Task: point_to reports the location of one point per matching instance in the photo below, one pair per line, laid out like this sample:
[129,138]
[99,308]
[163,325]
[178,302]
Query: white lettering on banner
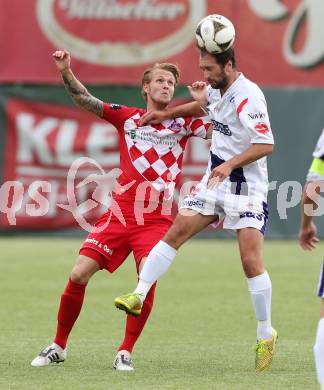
[33,142]
[308,11]
[31,137]
[313,51]
[101,137]
[64,142]
[122,53]
[113,9]
[269,9]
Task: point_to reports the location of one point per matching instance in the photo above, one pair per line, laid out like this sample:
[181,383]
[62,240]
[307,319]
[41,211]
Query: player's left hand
[219,174]
[308,237]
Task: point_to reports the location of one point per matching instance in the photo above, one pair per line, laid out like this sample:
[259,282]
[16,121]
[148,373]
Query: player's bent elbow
[270,148]
[267,149]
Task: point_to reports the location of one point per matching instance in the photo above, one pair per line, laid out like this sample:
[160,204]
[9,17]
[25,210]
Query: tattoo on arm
[81,96]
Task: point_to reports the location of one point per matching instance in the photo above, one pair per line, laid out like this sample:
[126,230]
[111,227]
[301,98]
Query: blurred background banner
[111,41]
[279,45]
[42,142]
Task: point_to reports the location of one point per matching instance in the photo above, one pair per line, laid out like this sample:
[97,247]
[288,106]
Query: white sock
[157,263]
[260,291]
[319,352]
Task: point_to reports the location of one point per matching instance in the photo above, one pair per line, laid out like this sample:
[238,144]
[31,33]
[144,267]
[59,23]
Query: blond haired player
[150,160]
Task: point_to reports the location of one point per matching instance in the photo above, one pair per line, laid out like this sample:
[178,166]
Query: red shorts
[117,241]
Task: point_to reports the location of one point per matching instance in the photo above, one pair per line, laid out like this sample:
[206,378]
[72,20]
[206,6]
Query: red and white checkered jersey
[151,153]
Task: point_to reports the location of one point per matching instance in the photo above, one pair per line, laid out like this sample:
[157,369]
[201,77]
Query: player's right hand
[308,237]
[62,60]
[152,117]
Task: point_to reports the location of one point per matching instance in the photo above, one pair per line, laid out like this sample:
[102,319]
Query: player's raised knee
[80,275]
[252,265]
[177,234]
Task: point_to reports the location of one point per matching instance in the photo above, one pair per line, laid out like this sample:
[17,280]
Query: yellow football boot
[264,352]
[130,303]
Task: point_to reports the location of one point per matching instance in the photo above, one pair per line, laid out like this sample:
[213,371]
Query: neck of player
[153,105]
[232,77]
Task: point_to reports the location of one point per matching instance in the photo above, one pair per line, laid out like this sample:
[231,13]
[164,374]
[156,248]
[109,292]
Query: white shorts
[320,288]
[234,211]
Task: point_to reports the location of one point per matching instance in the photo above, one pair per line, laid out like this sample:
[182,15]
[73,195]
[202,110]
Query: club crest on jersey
[261,128]
[175,126]
[218,126]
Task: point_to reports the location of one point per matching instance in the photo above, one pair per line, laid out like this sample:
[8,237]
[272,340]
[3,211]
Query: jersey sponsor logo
[249,214]
[114,106]
[152,137]
[58,18]
[259,115]
[191,203]
[262,128]
[218,126]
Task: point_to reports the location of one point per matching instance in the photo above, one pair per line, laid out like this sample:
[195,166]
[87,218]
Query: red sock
[135,325]
[70,307]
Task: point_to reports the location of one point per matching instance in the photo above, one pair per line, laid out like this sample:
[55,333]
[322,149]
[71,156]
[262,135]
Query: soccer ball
[215,33]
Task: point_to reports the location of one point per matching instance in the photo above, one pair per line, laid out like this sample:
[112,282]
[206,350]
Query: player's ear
[228,66]
[146,88]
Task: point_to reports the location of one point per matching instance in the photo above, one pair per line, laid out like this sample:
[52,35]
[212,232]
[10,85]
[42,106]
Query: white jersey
[319,149]
[239,118]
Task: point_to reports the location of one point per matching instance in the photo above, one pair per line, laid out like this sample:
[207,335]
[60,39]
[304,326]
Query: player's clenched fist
[62,60]
[198,92]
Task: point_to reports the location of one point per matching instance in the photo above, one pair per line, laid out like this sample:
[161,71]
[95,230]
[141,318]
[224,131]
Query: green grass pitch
[200,335]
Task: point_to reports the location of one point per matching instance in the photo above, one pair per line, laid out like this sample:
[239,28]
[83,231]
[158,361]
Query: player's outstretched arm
[188,109]
[308,231]
[75,88]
